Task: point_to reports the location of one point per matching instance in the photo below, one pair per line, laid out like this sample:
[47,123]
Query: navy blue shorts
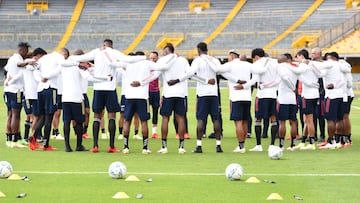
[73,111]
[154,99]
[347,105]
[30,105]
[47,102]
[105,98]
[59,101]
[13,100]
[334,109]
[286,112]
[139,106]
[309,105]
[240,110]
[264,108]
[122,104]
[207,105]
[176,104]
[86,101]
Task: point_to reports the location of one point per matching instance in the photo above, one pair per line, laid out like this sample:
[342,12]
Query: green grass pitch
[316,176]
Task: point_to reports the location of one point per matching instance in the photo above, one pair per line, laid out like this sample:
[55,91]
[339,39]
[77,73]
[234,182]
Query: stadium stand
[256,24]
[45,29]
[118,20]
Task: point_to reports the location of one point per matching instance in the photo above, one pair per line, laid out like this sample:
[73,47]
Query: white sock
[198,142]
[154,130]
[218,142]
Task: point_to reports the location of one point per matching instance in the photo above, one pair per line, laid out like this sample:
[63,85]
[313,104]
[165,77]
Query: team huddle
[42,83]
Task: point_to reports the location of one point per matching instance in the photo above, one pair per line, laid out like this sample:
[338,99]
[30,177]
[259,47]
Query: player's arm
[26,62]
[215,64]
[13,79]
[153,75]
[90,56]
[164,63]
[308,82]
[86,75]
[127,59]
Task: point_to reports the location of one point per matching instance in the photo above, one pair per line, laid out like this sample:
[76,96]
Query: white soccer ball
[117,170]
[5,169]
[275,152]
[234,171]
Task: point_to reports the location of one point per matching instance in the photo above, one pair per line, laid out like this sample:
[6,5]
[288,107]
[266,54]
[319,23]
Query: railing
[333,35]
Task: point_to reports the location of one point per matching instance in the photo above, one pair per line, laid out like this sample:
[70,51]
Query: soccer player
[121,74]
[287,108]
[310,96]
[13,94]
[346,141]
[73,100]
[332,73]
[240,95]
[205,66]
[265,106]
[316,55]
[47,75]
[56,119]
[154,97]
[173,98]
[137,94]
[105,92]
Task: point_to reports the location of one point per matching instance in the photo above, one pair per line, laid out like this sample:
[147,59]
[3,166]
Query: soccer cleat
[204,135]
[68,149]
[33,145]
[146,151]
[257,148]
[177,136]
[121,137]
[218,149]
[58,137]
[104,136]
[322,144]
[198,149]
[181,151]
[126,151]
[94,150]
[81,149]
[291,148]
[327,146]
[248,135]
[238,150]
[85,136]
[113,150]
[186,136]
[163,151]
[348,144]
[137,137]
[49,148]
[308,147]
[155,136]
[300,145]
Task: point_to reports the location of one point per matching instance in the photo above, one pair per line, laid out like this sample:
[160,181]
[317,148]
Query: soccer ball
[5,169]
[117,170]
[234,171]
[275,152]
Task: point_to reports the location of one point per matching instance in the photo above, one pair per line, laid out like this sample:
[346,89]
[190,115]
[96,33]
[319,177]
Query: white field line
[186,174]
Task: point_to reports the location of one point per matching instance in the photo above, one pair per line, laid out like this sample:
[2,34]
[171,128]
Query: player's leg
[67,117]
[111,99]
[259,114]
